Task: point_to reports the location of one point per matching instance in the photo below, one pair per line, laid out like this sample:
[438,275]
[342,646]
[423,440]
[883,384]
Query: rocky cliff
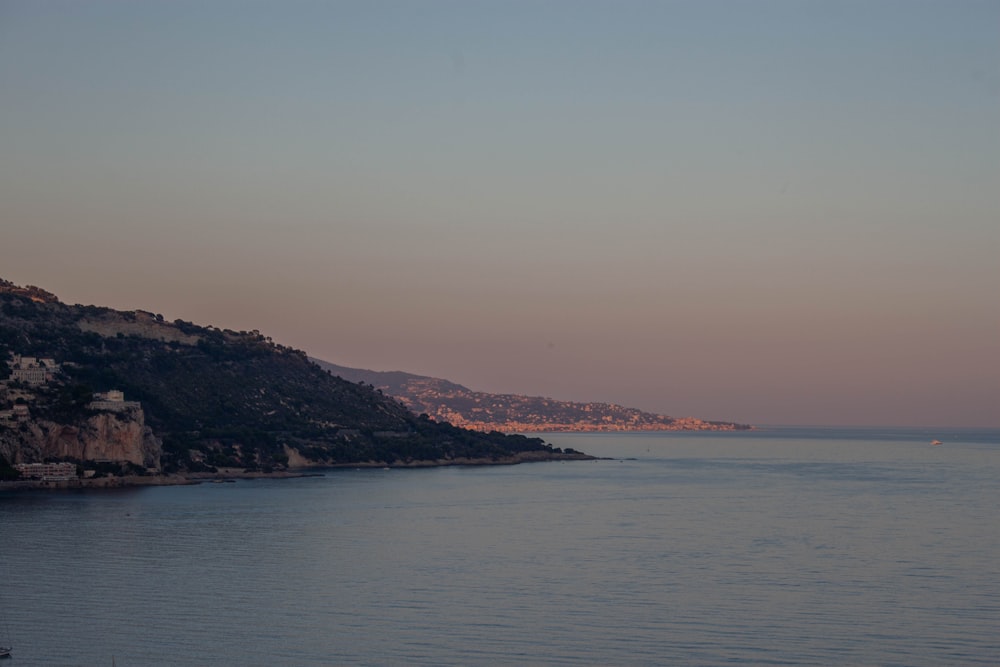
[114,437]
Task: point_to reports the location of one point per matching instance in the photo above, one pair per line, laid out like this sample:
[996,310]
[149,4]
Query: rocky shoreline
[232,474]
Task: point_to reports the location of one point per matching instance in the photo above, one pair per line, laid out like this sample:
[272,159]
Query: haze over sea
[796,546]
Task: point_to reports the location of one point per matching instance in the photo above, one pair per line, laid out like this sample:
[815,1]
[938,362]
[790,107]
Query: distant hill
[214,398]
[446,401]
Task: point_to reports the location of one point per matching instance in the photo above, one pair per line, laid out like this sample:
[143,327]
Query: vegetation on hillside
[225,398]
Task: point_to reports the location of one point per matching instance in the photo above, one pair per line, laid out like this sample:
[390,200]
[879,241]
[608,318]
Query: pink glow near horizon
[731,217]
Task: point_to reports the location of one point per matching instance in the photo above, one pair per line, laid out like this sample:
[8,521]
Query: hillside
[212,398]
[447,401]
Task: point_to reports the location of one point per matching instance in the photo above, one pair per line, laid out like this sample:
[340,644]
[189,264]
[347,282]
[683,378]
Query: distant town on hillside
[446,401]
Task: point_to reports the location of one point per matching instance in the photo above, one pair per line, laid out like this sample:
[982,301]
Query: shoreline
[233,474]
[521,457]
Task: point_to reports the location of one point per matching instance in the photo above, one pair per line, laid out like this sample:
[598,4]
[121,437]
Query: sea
[779,546]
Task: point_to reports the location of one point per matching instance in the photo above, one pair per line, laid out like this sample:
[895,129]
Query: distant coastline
[446,401]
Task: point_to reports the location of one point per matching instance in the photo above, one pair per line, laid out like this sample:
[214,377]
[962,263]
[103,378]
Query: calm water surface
[778,547]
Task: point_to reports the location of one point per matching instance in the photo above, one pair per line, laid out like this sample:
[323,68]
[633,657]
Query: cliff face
[115,437]
[140,323]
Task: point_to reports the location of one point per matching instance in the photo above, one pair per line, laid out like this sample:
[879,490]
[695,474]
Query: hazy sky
[771,212]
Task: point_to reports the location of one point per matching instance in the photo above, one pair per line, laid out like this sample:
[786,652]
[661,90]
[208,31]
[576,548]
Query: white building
[113,400]
[49,472]
[31,370]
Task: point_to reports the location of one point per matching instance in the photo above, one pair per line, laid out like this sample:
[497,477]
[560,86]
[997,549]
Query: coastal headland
[93,397]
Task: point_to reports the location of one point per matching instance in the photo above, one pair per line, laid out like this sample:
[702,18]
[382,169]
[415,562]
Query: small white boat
[5,651]
[936,442]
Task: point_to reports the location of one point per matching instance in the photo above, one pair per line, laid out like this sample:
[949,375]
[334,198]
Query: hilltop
[514,413]
[200,399]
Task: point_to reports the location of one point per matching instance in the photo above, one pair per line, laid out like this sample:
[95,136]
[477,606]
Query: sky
[772,212]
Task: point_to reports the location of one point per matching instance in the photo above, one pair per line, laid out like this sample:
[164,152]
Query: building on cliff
[112,401]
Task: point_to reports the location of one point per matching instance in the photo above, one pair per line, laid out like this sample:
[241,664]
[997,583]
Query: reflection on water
[792,547]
